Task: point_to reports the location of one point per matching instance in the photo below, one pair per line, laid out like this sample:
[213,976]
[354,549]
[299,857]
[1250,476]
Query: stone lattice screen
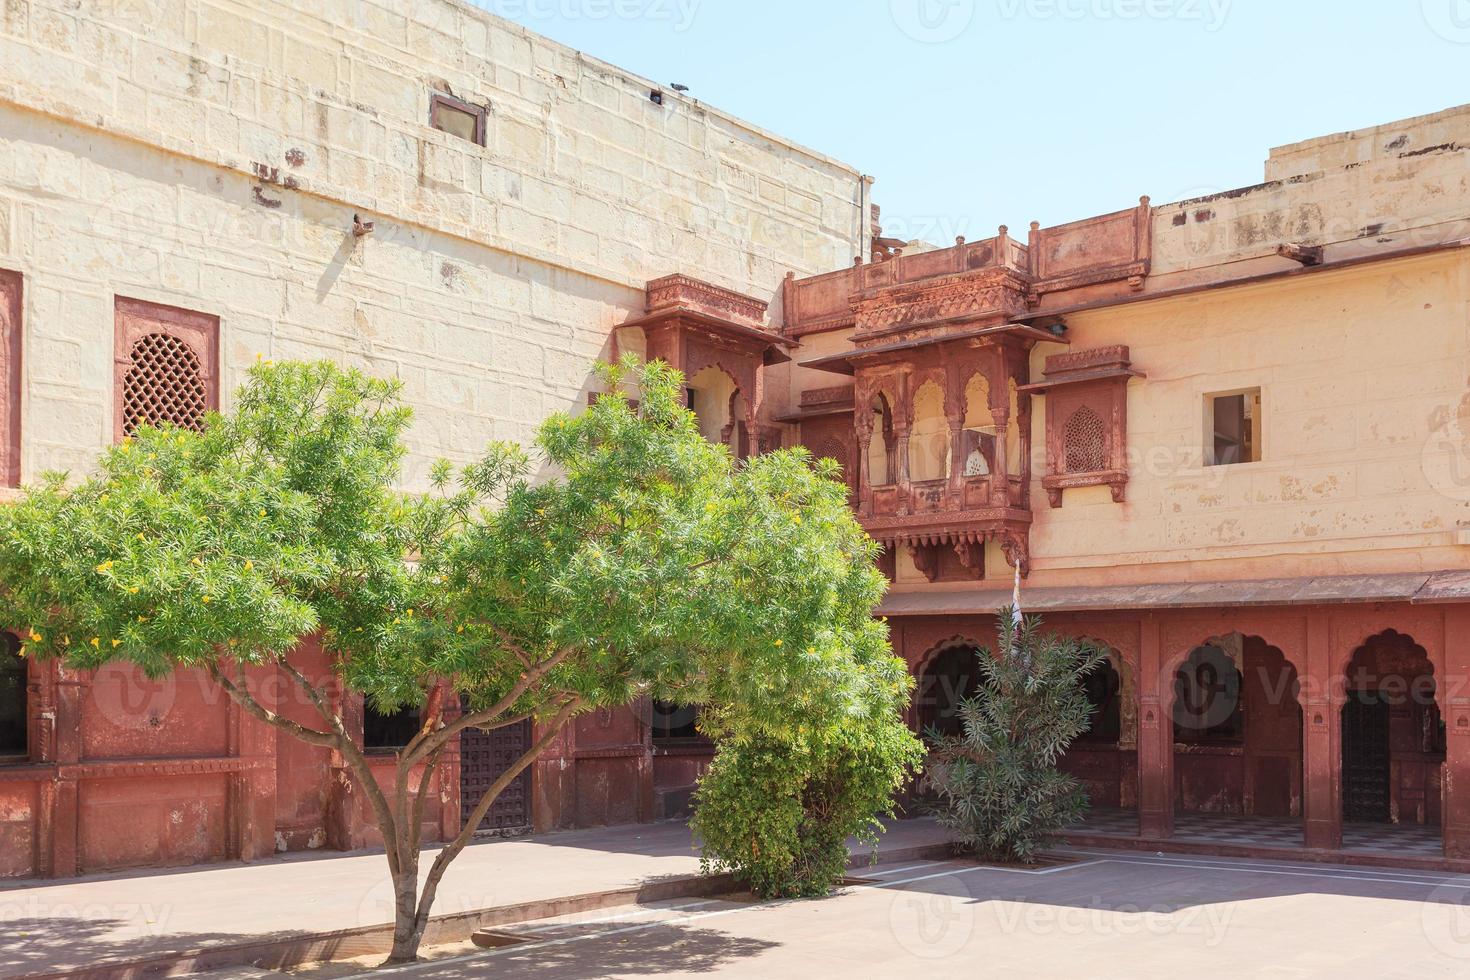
[167,366]
[165,384]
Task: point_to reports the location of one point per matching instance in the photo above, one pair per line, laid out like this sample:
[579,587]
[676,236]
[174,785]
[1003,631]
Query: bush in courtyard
[779,812]
[998,786]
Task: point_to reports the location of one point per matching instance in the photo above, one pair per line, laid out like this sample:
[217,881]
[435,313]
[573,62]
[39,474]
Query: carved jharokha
[941,414]
[694,325]
[1086,420]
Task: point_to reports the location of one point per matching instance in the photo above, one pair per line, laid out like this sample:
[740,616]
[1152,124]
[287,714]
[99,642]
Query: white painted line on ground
[1269,863]
[1296,871]
[629,915]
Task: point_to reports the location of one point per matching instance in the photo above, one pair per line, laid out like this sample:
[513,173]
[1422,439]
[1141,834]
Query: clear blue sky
[973,113]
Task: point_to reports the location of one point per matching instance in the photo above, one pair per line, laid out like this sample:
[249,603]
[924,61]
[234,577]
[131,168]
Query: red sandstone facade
[974,395]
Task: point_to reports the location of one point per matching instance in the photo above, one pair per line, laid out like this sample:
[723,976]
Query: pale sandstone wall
[211,155]
[1365,468]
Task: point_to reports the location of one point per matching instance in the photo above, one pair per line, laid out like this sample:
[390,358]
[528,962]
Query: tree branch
[357,762]
[242,696]
[452,849]
[476,719]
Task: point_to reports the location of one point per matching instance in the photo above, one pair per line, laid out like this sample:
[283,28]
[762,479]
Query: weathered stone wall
[212,156]
[1362,374]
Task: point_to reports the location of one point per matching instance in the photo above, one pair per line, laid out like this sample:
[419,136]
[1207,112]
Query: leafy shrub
[998,786]
[778,812]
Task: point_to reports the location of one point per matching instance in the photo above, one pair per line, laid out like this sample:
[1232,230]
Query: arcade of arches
[1311,729]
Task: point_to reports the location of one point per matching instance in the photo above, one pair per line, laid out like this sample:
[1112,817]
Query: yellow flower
[66,641]
[249,565]
[195,561]
[262,512]
[95,641]
[460,630]
[796,518]
[104,567]
[410,613]
[103,498]
[126,446]
[142,619]
[21,653]
[778,643]
[133,590]
[35,637]
[233,641]
[116,644]
[141,536]
[206,599]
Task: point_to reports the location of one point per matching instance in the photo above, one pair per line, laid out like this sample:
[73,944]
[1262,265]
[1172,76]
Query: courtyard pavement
[52,926]
[1107,914]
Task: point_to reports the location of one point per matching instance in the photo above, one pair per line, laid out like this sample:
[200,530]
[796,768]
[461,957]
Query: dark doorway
[1365,770]
[953,675]
[483,757]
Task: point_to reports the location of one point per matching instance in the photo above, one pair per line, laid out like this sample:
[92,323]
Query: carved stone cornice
[679,290]
[996,293]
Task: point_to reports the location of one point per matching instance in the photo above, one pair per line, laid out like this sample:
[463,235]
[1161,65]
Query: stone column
[1454,702]
[862,417]
[1321,740]
[253,788]
[72,687]
[1155,737]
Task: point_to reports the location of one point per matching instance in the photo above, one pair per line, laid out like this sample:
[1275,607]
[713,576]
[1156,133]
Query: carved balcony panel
[1086,420]
[694,325]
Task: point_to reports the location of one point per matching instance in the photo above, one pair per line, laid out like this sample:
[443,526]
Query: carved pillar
[862,417]
[903,420]
[1023,420]
[954,410]
[1155,737]
[1321,740]
[1455,705]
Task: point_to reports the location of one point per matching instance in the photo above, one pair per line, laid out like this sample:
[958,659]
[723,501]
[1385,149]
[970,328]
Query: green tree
[999,789]
[639,560]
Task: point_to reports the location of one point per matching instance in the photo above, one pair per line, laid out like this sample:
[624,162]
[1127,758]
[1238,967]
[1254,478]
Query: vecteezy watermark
[1444,917]
[679,14]
[1450,19]
[932,21]
[21,914]
[1445,458]
[934,923]
[1211,14]
[1103,917]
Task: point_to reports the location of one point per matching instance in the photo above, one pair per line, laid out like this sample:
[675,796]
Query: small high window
[13,739]
[457,117]
[1233,421]
[674,722]
[388,732]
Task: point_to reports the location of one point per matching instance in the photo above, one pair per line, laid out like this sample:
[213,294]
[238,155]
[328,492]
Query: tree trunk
[407,935]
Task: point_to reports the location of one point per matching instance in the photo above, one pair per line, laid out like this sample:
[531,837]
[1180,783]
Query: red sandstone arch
[1390,685]
[921,713]
[1261,773]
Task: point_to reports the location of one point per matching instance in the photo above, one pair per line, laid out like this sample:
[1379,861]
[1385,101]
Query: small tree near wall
[999,789]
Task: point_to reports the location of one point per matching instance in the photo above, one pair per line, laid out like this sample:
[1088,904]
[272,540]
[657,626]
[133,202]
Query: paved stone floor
[1223,828]
[68,924]
[1108,914]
